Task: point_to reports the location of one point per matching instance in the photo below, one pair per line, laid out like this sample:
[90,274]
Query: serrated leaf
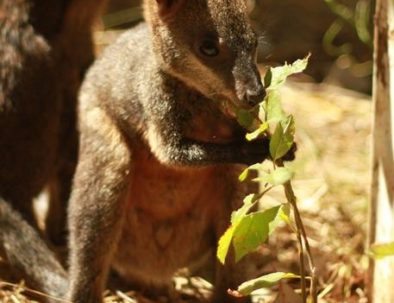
[266,281]
[278,75]
[224,244]
[253,229]
[273,108]
[258,132]
[277,177]
[379,251]
[283,138]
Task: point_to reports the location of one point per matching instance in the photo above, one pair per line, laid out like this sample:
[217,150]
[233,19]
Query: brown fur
[45,47]
[160,149]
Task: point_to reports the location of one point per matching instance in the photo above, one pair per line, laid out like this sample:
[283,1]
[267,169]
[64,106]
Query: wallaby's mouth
[232,101]
[248,96]
[230,106]
[246,103]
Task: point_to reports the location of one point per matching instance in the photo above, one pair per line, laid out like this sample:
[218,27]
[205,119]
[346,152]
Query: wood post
[381,227]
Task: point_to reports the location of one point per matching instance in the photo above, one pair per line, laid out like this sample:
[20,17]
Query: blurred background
[338,33]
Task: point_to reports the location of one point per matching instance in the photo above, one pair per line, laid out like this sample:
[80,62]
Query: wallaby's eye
[209,48]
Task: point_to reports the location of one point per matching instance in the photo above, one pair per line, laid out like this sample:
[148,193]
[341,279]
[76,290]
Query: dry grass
[14,293]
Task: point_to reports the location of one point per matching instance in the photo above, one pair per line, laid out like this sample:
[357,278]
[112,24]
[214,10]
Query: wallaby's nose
[256,95]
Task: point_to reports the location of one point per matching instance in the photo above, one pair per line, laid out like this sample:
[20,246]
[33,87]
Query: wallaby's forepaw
[255,151]
[258,150]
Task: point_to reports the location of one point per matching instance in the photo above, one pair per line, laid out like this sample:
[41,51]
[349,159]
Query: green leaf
[285,214]
[224,244]
[277,76]
[239,214]
[379,251]
[268,78]
[236,218]
[258,132]
[283,138]
[253,229]
[245,174]
[266,281]
[277,177]
[248,231]
[273,108]
[262,110]
[245,118]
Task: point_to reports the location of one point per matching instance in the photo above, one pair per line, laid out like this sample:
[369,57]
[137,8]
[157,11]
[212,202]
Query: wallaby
[45,47]
[160,149]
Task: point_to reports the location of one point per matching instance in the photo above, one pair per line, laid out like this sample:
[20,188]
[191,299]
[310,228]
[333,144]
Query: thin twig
[291,199]
[303,241]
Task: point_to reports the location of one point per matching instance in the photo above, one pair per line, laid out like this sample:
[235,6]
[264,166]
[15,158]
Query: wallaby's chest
[166,192]
[173,214]
[170,219]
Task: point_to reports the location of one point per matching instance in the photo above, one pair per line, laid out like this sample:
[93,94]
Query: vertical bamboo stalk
[381,227]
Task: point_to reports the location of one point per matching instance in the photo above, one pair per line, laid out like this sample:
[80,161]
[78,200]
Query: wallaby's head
[208,44]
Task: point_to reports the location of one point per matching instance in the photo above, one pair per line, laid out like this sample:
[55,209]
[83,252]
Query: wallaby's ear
[167,8]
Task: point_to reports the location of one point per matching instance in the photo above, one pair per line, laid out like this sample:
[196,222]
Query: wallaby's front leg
[97,205]
[166,130]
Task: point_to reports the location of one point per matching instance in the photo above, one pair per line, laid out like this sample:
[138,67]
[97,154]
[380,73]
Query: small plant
[249,229]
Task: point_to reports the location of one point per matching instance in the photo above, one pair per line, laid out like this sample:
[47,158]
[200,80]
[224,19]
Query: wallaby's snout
[249,88]
[256,95]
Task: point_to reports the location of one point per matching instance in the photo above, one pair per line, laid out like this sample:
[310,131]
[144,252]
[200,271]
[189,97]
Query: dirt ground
[332,184]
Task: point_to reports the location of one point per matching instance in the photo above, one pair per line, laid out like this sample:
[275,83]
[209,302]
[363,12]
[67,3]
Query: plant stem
[303,241]
[302,265]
